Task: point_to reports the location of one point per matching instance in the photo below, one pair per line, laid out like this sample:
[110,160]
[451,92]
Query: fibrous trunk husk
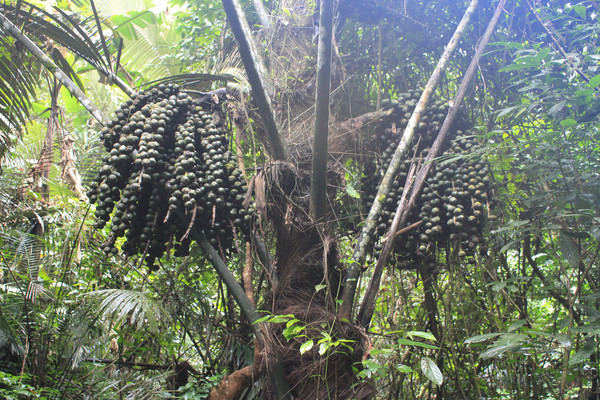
[309,275]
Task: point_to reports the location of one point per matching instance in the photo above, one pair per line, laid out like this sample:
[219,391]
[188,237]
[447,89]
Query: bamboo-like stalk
[368,305]
[318,184]
[255,71]
[53,69]
[359,254]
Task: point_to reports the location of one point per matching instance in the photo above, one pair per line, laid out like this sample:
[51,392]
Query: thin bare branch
[359,254]
[368,305]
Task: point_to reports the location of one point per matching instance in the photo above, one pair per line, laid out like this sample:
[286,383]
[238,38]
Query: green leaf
[595,81]
[352,192]
[543,54]
[565,123]
[498,286]
[563,339]
[423,335]
[576,235]
[408,342]
[278,319]
[323,347]
[431,371]
[292,322]
[481,338]
[405,369]
[555,109]
[569,250]
[584,353]
[320,287]
[515,67]
[292,331]
[584,92]
[306,346]
[496,351]
[580,10]
[516,325]
[262,319]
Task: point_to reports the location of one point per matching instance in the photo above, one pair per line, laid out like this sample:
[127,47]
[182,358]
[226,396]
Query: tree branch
[358,257]
[261,12]
[53,68]
[557,44]
[255,71]
[318,184]
[232,386]
[368,305]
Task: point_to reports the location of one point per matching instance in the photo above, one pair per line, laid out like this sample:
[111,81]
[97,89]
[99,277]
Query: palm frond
[72,31]
[17,78]
[196,81]
[8,337]
[146,53]
[68,31]
[132,385]
[35,290]
[79,334]
[136,308]
[22,251]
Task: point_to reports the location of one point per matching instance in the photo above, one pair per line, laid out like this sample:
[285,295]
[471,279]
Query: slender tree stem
[358,257]
[53,69]
[276,372]
[255,71]
[261,12]
[247,274]
[318,185]
[368,305]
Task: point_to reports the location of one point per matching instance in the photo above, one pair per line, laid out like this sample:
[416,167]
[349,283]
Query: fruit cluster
[169,170]
[452,205]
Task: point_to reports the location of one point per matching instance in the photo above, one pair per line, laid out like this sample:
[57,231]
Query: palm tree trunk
[318,185]
[255,71]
